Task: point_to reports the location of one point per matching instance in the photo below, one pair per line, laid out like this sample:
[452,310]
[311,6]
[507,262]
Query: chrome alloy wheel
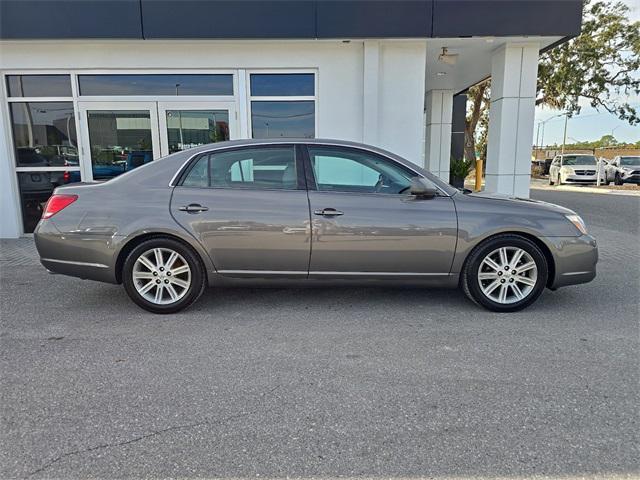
[161,276]
[507,275]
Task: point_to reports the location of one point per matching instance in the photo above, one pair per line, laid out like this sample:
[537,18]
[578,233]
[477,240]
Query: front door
[117,137]
[365,224]
[123,135]
[248,208]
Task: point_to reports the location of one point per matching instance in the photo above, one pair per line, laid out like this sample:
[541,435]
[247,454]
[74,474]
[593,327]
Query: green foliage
[460,168]
[601,65]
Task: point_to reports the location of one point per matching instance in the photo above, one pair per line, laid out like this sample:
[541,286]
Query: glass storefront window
[44,134]
[282,85]
[39,85]
[35,189]
[119,141]
[289,119]
[191,128]
[151,84]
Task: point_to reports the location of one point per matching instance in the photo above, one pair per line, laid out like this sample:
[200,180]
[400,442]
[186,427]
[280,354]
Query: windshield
[579,160]
[629,160]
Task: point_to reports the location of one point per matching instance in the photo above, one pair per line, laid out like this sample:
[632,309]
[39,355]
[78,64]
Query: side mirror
[422,188]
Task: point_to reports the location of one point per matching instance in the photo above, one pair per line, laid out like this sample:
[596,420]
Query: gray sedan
[313,212]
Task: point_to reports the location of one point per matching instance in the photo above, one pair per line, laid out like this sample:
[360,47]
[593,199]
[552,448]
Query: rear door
[366,224]
[248,207]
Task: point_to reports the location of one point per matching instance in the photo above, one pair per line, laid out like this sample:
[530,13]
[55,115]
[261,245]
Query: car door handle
[193,208]
[328,212]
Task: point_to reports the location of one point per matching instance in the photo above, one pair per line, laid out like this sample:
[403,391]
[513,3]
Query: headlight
[578,223]
[567,169]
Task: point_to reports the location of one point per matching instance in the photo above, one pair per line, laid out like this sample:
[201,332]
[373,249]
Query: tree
[601,65]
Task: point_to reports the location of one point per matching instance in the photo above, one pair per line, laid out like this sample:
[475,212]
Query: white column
[439,110]
[371,92]
[514,70]
[10,222]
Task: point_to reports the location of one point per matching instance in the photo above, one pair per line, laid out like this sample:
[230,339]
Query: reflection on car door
[364,222]
[249,210]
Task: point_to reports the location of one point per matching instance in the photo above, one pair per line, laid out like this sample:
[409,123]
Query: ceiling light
[448,58]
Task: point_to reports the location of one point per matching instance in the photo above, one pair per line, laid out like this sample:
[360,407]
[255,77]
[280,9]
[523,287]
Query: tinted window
[344,170]
[283,119]
[44,134]
[198,176]
[280,85]
[39,85]
[579,160]
[260,168]
[156,84]
[629,160]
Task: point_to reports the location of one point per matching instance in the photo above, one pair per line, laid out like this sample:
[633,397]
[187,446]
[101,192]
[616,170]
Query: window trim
[183,172]
[292,98]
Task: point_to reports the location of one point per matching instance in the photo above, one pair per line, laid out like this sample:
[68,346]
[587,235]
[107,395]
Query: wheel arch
[136,240]
[544,248]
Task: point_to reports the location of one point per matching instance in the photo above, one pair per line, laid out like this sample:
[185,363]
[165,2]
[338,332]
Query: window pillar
[439,109]
[514,71]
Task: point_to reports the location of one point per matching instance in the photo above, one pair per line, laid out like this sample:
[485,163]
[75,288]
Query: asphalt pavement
[326,382]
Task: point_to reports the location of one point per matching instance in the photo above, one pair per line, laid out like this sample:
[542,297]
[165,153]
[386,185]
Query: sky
[590,124]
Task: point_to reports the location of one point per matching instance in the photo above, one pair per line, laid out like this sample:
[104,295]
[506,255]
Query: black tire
[618,180]
[198,275]
[469,277]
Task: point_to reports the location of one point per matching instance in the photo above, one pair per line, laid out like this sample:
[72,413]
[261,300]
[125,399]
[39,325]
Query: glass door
[185,125]
[117,137]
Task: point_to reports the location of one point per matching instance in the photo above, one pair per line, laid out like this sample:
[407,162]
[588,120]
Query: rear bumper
[82,255]
[575,259]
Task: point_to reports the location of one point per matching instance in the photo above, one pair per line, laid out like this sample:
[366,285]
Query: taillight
[66,176]
[56,203]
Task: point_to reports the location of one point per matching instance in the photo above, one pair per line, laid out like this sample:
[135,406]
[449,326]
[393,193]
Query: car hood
[524,202]
[582,167]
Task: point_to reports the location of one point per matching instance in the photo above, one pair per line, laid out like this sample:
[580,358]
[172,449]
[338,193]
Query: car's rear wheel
[505,273]
[163,275]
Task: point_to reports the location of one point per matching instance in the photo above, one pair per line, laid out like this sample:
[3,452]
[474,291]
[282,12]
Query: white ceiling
[474,59]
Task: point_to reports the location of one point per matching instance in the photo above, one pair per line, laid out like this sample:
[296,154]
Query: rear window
[579,160]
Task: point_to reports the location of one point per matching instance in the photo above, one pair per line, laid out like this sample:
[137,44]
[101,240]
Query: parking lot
[326,382]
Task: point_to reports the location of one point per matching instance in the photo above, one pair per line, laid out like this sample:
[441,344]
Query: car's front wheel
[163,275]
[505,273]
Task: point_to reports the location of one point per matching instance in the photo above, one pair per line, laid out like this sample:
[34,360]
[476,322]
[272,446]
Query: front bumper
[575,259]
[634,178]
[581,179]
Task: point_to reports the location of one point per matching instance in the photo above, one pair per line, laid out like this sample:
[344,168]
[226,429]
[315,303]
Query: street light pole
[564,138]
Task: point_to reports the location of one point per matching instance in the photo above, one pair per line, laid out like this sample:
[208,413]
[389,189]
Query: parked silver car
[623,169]
[306,212]
[573,168]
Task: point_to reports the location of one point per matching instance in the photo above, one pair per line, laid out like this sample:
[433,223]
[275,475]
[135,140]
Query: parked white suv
[573,168]
[623,169]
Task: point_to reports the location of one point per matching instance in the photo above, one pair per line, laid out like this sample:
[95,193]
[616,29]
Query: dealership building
[93,88]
